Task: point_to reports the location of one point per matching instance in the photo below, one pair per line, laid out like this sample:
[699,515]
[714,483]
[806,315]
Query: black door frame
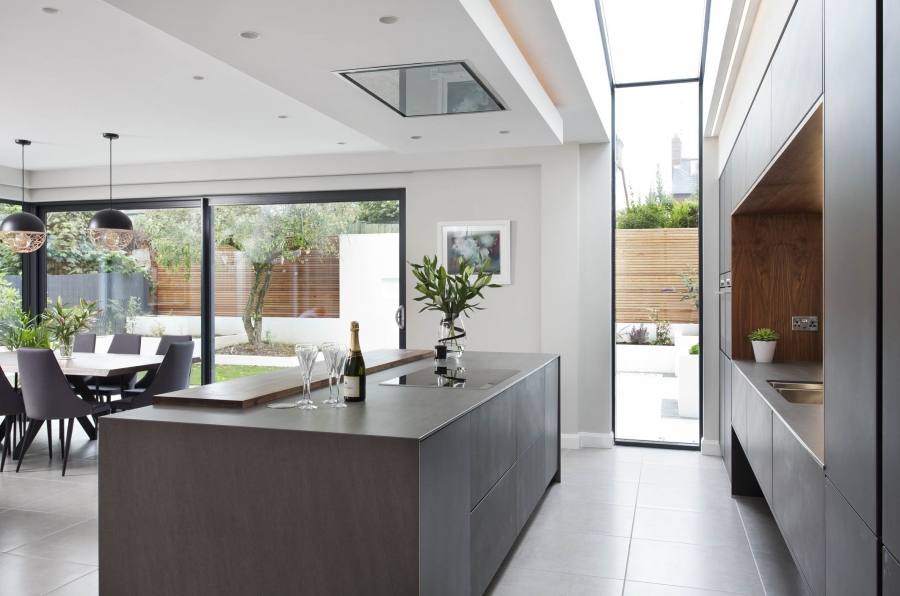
[613,86]
[34,269]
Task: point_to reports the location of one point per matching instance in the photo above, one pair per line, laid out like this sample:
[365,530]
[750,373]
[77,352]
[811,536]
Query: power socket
[805,323]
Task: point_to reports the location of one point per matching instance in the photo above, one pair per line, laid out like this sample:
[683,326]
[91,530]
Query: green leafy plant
[763,334]
[695,350]
[450,294]
[21,330]
[64,322]
[663,329]
[121,315]
[690,281]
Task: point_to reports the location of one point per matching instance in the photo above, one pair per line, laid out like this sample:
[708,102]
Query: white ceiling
[127,65]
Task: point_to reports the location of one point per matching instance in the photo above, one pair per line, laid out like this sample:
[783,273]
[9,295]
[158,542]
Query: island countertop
[389,411]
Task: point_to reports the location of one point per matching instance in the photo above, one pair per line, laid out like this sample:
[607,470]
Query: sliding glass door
[299,269]
[657,301]
[10,273]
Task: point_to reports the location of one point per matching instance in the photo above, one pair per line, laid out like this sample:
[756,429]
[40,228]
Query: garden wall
[649,264]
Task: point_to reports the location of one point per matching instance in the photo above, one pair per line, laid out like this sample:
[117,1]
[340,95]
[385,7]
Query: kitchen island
[417,490]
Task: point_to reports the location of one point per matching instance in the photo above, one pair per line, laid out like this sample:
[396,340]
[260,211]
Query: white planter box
[648,359]
[689,386]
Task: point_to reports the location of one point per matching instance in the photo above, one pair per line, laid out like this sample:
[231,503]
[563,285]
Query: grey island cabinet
[416,491]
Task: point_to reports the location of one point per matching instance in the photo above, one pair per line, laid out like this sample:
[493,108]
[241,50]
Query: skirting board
[710,447]
[579,440]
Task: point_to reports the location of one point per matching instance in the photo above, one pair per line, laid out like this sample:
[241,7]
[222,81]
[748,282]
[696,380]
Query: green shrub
[763,334]
[695,350]
[659,214]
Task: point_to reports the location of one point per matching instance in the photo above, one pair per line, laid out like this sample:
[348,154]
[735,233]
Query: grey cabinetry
[758,132]
[851,550]
[493,441]
[531,480]
[796,70]
[851,255]
[724,223]
[740,392]
[725,409]
[738,163]
[798,502]
[494,528]
[890,521]
[891,574]
[759,441]
[551,422]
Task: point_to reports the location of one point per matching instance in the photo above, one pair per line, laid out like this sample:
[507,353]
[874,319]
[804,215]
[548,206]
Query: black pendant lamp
[23,232]
[111,229]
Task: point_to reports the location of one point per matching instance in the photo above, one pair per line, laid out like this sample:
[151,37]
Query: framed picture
[478,242]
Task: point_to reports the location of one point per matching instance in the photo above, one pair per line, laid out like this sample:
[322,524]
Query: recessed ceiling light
[388,20]
[50,10]
[249,34]
[282,116]
[504,132]
[416,137]
[198,77]
[341,143]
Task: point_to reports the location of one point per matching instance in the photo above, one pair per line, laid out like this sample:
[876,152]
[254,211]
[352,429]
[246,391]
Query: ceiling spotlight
[250,35]
[388,20]
[341,143]
[282,116]
[416,137]
[198,77]
[504,132]
[50,10]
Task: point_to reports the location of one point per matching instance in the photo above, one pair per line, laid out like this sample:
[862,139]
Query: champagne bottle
[355,369]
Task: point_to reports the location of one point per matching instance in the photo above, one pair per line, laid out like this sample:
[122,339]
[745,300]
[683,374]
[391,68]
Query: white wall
[544,191]
[512,319]
[710,379]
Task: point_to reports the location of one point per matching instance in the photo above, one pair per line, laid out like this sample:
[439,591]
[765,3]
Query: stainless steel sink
[800,393]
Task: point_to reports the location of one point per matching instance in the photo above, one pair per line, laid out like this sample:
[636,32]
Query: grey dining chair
[85,342]
[164,342]
[173,374]
[48,396]
[122,343]
[12,410]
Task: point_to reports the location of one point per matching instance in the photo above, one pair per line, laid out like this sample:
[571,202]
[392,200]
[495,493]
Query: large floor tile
[24,576]
[713,527]
[685,497]
[86,585]
[517,581]
[725,568]
[18,527]
[579,553]
[597,518]
[671,475]
[611,493]
[77,499]
[17,491]
[75,544]
[591,468]
[644,589]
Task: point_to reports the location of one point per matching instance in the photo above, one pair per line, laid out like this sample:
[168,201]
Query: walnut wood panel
[777,273]
[247,392]
[312,285]
[794,182]
[649,264]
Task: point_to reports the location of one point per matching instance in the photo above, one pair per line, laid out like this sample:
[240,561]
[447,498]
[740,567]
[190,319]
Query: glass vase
[65,348]
[452,334]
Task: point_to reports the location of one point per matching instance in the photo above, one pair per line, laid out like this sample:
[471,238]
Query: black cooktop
[452,378]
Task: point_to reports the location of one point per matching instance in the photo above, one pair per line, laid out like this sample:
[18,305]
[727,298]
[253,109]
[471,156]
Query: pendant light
[23,232]
[110,228]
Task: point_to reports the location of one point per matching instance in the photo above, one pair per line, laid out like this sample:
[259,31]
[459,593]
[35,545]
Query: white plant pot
[688,386]
[764,351]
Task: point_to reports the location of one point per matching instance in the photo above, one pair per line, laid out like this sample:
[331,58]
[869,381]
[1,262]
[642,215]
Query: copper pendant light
[111,229]
[23,232]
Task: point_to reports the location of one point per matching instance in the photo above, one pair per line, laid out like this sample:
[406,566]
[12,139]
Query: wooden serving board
[247,392]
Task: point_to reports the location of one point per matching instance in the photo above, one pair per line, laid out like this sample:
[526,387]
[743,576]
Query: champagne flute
[306,354]
[329,350]
[340,359]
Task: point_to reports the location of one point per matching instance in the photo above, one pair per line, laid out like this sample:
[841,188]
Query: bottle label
[351,387]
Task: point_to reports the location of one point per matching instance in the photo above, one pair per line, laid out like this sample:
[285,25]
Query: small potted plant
[452,295]
[764,341]
[65,322]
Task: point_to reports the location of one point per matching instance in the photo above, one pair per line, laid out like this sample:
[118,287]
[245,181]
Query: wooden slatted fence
[312,285]
[649,264]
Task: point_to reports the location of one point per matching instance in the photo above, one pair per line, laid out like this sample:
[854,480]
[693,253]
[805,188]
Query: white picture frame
[490,238]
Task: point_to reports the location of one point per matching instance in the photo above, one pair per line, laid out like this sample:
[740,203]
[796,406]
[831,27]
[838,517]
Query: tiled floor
[646,522]
[624,521]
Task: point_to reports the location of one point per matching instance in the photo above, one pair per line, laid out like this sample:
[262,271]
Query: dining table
[90,364]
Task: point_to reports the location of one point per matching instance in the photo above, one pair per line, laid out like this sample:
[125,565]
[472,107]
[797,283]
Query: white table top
[84,364]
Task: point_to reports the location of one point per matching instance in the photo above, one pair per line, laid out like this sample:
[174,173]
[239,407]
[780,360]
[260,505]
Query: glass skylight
[654,40]
[426,89]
